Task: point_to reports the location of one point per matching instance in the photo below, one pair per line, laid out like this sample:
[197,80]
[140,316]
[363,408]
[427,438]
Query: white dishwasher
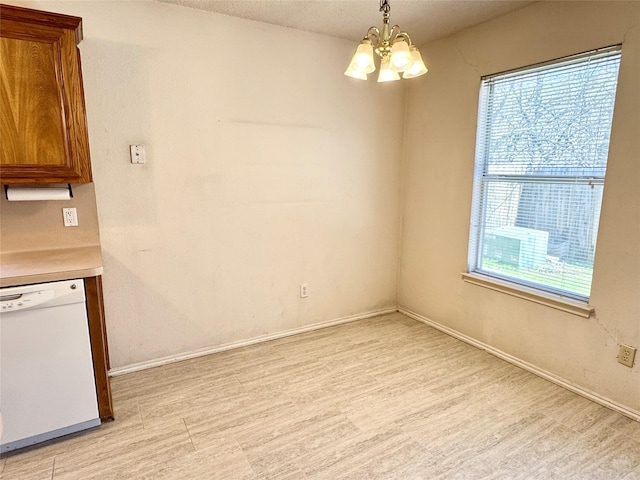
[47,386]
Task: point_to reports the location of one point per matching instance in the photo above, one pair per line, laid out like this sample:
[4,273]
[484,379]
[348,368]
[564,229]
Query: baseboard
[628,412]
[243,343]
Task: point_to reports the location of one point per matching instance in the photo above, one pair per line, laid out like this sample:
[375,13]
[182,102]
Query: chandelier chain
[384,6]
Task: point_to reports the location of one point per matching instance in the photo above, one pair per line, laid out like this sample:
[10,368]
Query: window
[541,158]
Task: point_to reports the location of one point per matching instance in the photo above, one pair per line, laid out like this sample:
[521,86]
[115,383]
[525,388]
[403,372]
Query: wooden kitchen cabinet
[42,112]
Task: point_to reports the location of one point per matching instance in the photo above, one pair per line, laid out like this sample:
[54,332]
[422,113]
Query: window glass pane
[542,233]
[556,122]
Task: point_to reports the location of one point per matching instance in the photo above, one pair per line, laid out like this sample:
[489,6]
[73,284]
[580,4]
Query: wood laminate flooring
[386,397]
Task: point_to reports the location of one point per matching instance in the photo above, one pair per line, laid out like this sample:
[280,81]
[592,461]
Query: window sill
[574,307]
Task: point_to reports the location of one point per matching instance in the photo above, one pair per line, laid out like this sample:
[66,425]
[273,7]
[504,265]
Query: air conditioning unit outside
[524,248]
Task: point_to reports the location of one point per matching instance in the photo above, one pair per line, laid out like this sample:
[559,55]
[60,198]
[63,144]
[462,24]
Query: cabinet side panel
[99,349]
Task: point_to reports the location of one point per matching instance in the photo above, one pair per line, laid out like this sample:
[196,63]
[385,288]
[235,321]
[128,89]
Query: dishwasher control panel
[41,295]
[21,301]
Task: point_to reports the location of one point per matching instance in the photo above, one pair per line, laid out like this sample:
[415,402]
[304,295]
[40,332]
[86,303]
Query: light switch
[137,153]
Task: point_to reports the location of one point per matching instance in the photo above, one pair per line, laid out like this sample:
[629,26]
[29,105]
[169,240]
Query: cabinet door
[42,114]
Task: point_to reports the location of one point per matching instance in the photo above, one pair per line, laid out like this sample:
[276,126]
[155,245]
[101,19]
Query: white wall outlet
[70,217]
[137,153]
[304,290]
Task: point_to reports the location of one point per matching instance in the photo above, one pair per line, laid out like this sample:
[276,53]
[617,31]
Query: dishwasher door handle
[22,301]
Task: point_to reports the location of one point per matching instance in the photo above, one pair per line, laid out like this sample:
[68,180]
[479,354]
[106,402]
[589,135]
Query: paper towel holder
[6,190]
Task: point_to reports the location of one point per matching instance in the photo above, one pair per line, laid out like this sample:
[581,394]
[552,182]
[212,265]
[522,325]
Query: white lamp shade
[386,74]
[418,68]
[401,58]
[350,72]
[362,60]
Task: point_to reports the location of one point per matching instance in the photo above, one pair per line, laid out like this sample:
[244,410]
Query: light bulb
[401,58]
[386,74]
[362,60]
[418,68]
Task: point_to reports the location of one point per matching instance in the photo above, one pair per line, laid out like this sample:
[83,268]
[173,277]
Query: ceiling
[424,20]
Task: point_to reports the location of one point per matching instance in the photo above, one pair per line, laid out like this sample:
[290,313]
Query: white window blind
[541,158]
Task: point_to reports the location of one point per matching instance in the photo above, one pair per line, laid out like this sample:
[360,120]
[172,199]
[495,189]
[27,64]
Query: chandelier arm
[373,34]
[404,35]
[394,32]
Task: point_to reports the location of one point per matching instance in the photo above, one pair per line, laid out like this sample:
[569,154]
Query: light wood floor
[386,398]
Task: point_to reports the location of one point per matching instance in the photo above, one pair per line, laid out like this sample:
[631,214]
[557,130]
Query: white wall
[438,179]
[266,168]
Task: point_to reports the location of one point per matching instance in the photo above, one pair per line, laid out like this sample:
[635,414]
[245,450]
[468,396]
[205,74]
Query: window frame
[557,298]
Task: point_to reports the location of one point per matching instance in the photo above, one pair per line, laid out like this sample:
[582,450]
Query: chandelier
[395,49]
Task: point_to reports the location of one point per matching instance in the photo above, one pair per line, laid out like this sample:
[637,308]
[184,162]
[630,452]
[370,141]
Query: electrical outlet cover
[626,355]
[70,217]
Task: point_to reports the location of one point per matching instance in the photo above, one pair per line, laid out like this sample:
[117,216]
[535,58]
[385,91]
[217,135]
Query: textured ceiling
[424,20]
